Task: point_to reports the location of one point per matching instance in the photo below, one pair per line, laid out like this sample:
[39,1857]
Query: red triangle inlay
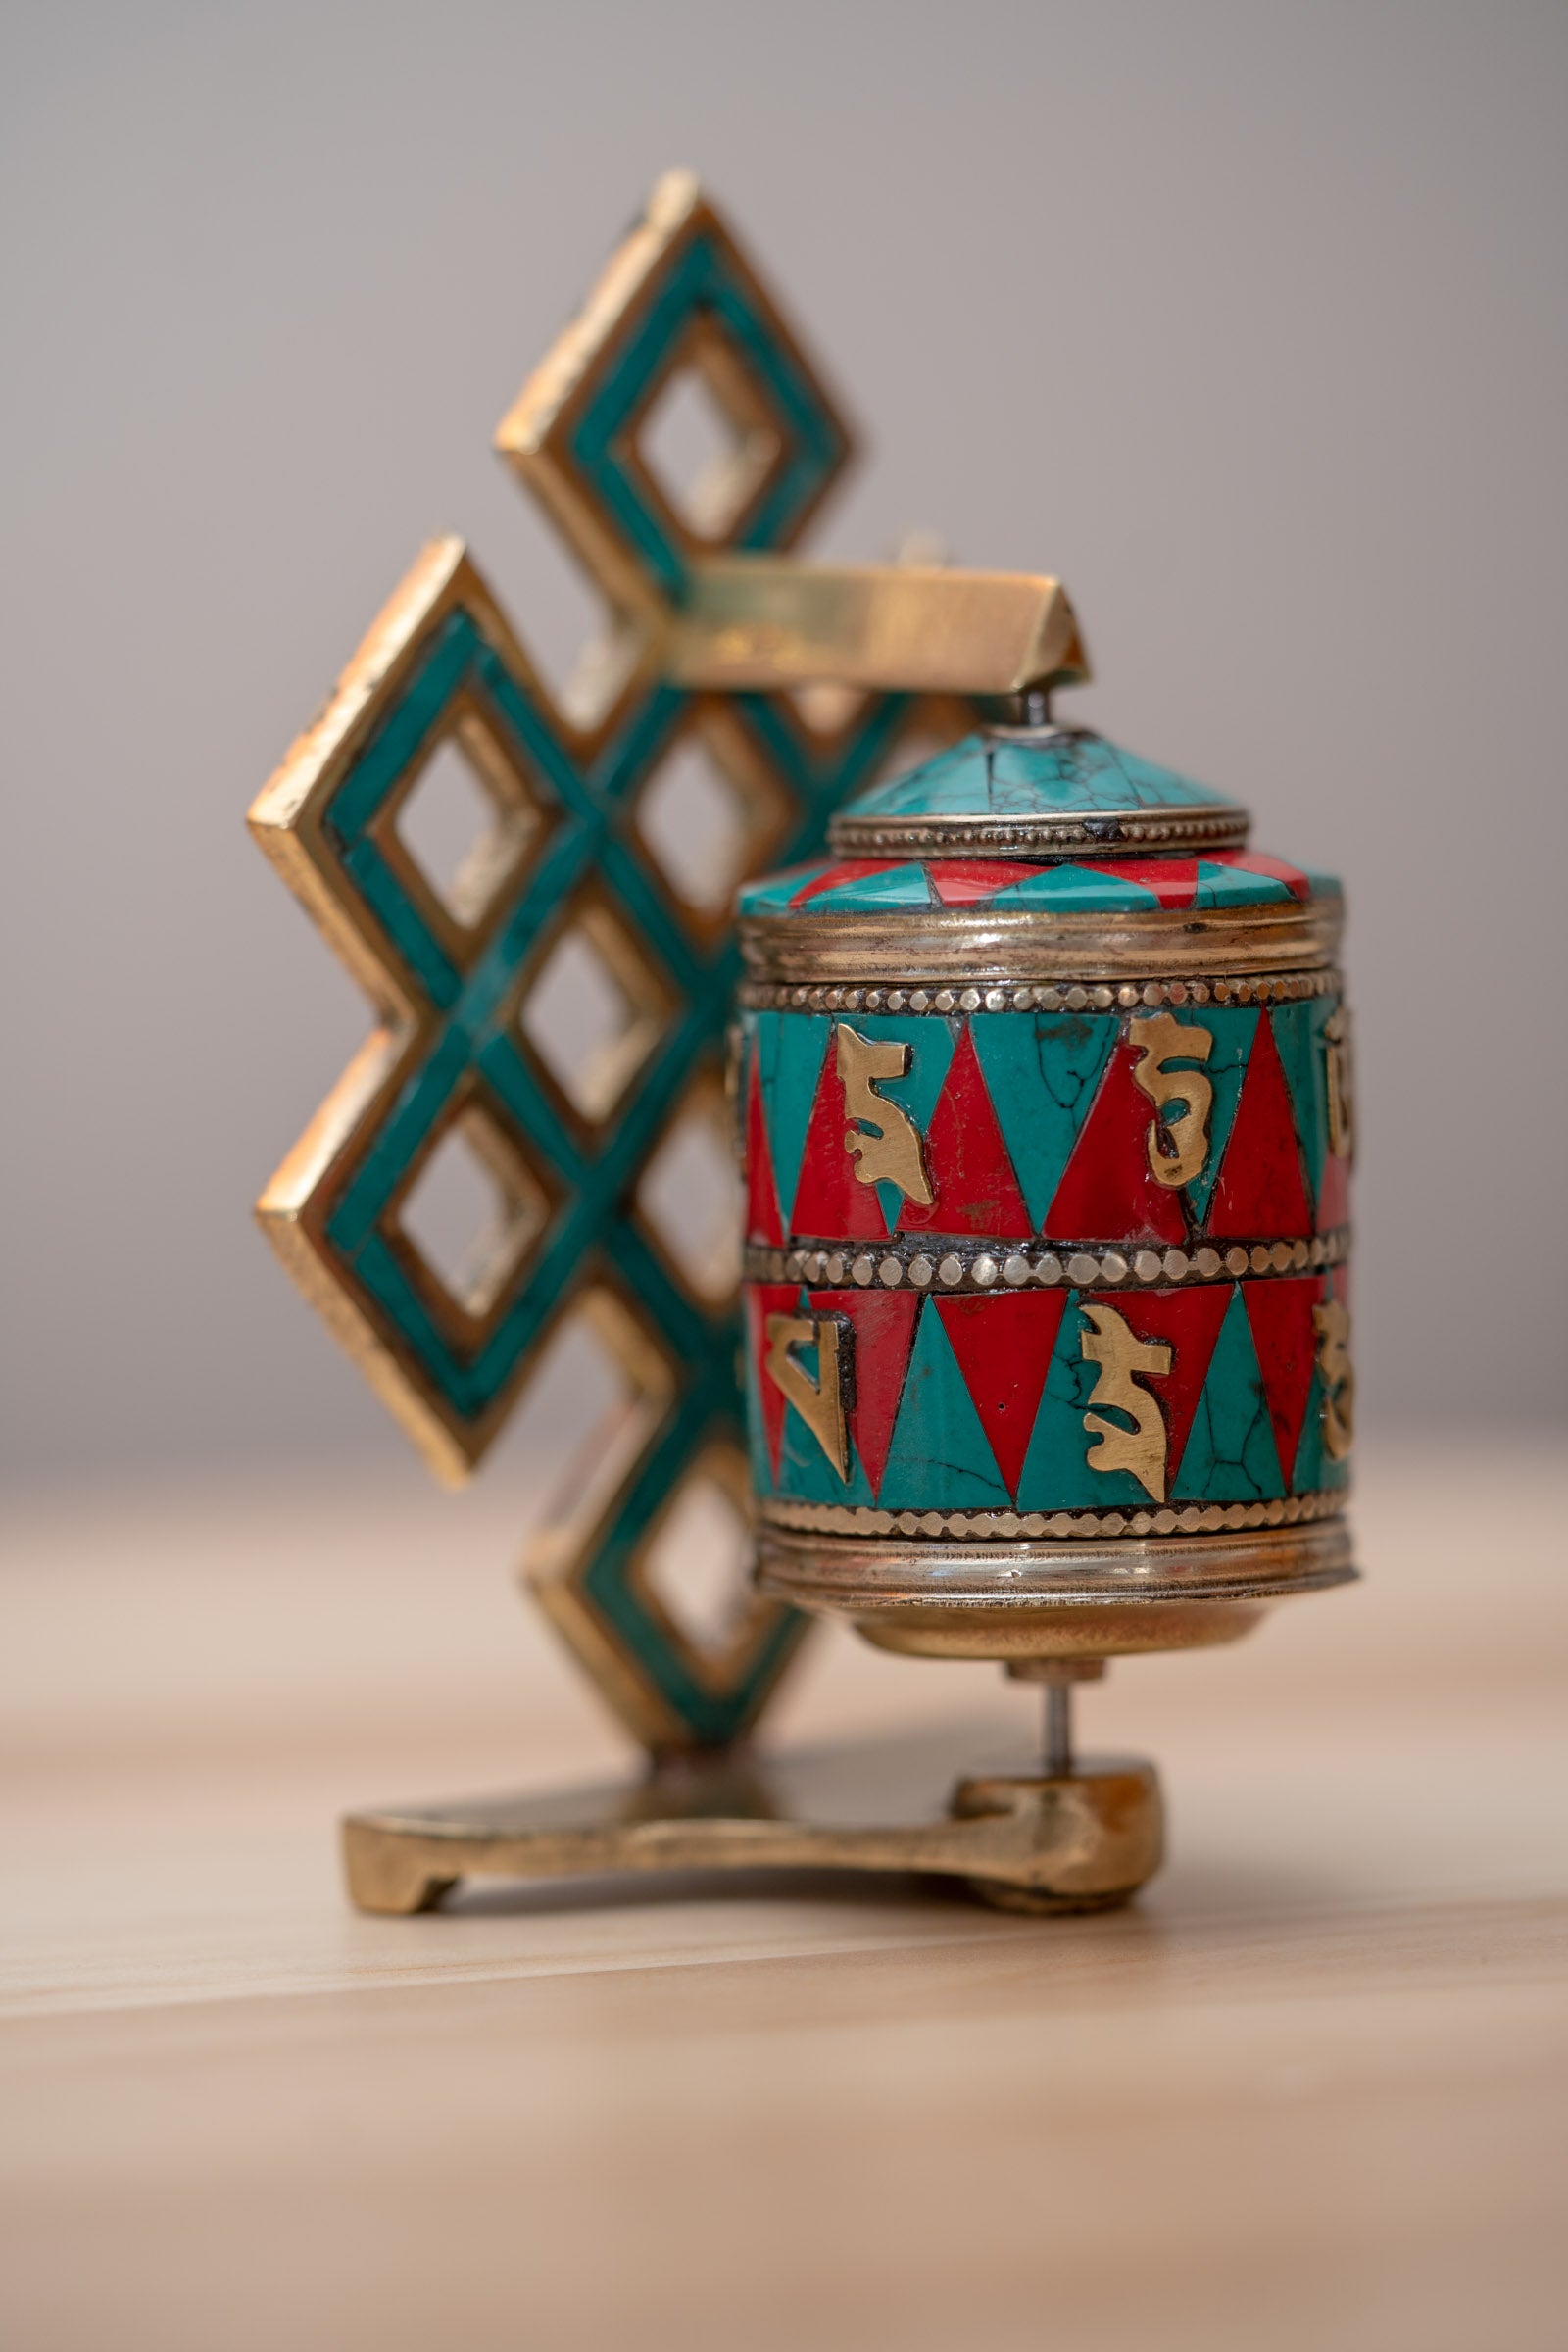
[763,1220]
[1004,1345]
[977,878]
[1109,1192]
[972,1173]
[829,1199]
[765,1298]
[1281,1317]
[1189,1322]
[1261,1194]
[1258,861]
[884,1334]
[1173,880]
[1334,1195]
[852,869]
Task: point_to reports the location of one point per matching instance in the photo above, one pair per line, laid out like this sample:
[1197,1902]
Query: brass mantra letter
[895,1153]
[1333,1324]
[1161,1039]
[1120,1353]
[822,1407]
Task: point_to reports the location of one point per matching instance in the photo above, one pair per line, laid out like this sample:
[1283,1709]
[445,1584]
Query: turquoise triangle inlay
[1315,1468]
[790,1047]
[1057,1476]
[1234,886]
[773,895]
[940,1458]
[1306,1474]
[1298,1034]
[1041,1071]
[1073,889]
[1233,1028]
[900,886]
[1231,1455]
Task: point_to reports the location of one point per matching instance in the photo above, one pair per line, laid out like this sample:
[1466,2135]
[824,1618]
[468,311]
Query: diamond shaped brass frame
[442,659]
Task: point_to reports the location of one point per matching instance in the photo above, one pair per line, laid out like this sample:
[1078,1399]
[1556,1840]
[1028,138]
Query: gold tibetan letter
[1120,1353]
[1162,1039]
[822,1405]
[895,1154]
[1333,1324]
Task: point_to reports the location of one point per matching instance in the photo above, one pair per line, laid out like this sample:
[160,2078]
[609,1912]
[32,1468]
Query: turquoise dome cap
[1038,792]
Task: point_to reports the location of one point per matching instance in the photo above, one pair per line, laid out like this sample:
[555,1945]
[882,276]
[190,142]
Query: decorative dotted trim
[1061,996]
[982,1265]
[1224,827]
[1194,1519]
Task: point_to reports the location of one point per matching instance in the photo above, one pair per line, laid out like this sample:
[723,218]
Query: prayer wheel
[1044,1096]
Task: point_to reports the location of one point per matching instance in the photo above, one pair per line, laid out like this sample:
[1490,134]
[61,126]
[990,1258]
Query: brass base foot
[1095,1830]
[1073,1841]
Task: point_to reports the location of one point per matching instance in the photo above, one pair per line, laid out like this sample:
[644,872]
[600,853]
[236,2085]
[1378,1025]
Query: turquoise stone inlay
[1071,771]
[1057,1476]
[472,1040]
[804,1471]
[931,1045]
[1230,1455]
[789,1050]
[704,283]
[1232,1028]
[1061,887]
[1304,1057]
[1078,890]
[1041,1071]
[940,1457]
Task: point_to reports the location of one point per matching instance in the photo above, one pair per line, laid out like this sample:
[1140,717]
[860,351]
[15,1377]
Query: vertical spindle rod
[1059,1729]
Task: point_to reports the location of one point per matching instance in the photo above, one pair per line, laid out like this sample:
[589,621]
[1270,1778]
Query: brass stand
[1055,1836]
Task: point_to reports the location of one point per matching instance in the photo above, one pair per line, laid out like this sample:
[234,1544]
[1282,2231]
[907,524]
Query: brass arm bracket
[769,621]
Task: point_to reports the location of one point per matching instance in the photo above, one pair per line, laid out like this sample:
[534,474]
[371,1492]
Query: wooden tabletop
[1311,2090]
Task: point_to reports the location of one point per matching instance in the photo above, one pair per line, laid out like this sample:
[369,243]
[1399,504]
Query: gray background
[1248,321]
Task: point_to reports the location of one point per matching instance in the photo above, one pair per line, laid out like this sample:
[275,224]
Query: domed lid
[1038,793]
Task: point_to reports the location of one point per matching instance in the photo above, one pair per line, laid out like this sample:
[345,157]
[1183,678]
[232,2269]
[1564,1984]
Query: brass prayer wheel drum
[1043,1085]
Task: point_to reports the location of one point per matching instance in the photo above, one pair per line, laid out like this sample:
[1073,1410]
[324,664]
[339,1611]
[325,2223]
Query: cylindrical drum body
[1043,1089]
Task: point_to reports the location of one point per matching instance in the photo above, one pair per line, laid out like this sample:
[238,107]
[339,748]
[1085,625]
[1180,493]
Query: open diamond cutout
[466,821]
[588,652]
[470,1216]
[596,1398]
[696,1567]
[594,1009]
[707,440]
[690,1195]
[710,816]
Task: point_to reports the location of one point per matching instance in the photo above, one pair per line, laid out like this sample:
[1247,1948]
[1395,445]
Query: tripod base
[1030,1839]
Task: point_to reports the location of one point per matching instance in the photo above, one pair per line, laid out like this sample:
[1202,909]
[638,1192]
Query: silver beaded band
[945,996]
[918,1262]
[1190,1519]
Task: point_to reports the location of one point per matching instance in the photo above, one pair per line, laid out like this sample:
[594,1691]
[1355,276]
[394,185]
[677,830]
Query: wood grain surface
[1312,2089]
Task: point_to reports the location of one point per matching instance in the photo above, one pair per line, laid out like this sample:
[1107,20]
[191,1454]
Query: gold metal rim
[856,1577]
[1028,945]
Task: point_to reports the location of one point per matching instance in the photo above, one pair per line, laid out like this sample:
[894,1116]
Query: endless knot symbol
[565,865]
